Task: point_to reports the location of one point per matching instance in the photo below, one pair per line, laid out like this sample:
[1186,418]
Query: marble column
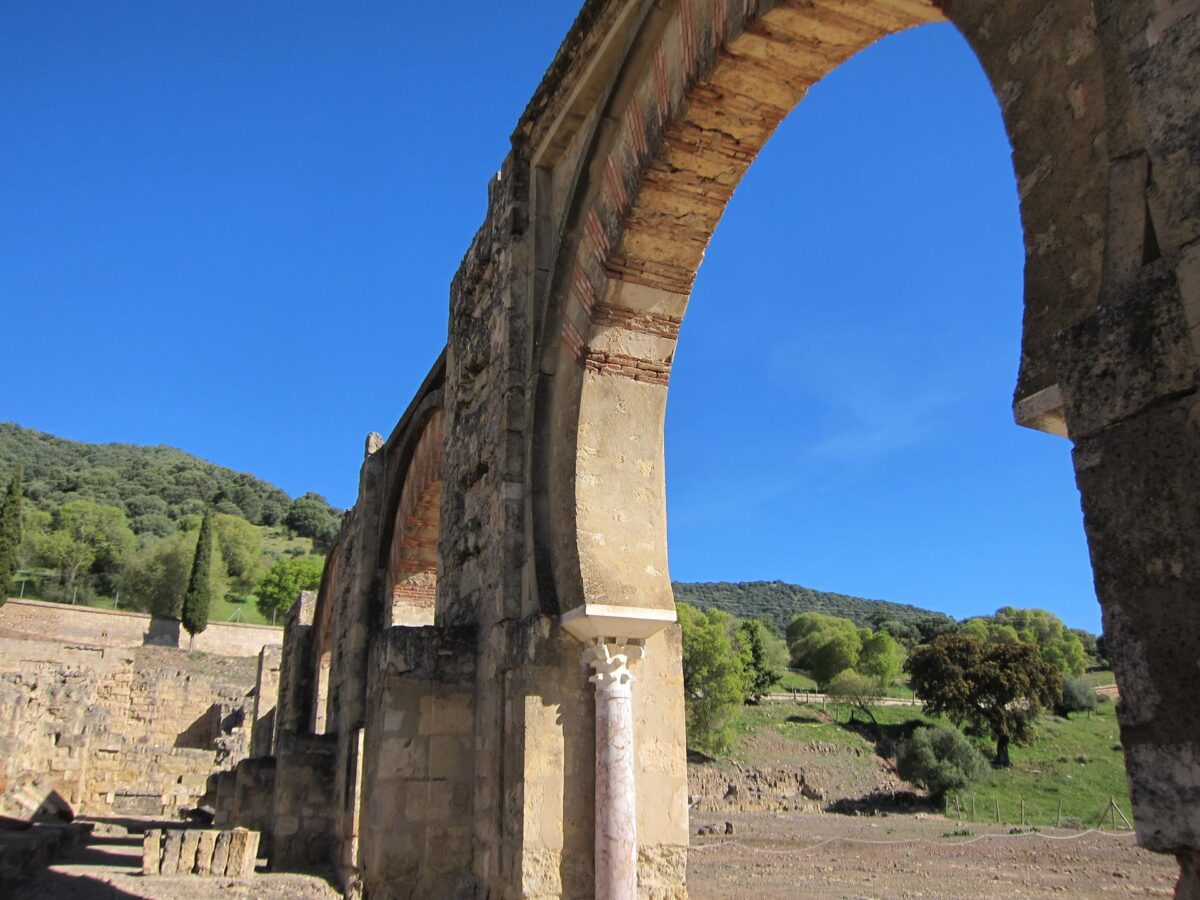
[616,791]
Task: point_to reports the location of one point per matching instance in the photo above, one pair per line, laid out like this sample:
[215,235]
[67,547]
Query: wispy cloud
[862,405]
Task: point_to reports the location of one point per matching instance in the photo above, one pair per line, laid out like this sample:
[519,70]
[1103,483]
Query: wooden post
[997,809]
[1112,811]
[1022,810]
[1058,818]
[1122,815]
[972,806]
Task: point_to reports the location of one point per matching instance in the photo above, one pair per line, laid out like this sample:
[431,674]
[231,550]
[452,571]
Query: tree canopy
[715,681]
[995,689]
[153,486]
[823,645]
[1057,644]
[311,516]
[10,534]
[764,656]
[241,547]
[197,599]
[282,584]
[779,603]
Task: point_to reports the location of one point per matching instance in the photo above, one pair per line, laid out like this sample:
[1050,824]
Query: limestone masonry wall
[116,731]
[114,628]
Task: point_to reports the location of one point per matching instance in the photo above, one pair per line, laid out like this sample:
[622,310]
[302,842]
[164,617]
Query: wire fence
[967,808]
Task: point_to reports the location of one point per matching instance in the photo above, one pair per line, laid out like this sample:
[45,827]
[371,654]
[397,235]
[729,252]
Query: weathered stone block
[172,845]
[243,853]
[220,857]
[151,852]
[187,852]
[204,852]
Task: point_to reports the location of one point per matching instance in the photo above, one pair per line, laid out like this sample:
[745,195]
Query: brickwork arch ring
[703,86]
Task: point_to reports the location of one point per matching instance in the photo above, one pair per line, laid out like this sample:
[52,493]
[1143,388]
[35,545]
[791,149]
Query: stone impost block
[151,852]
[204,852]
[172,845]
[220,857]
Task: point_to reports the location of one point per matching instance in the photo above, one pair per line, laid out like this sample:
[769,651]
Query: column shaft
[616,794]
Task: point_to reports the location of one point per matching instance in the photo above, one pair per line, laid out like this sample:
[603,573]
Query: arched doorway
[412,565]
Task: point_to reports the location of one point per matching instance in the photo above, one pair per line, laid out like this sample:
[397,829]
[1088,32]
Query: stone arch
[322,647]
[412,560]
[704,85]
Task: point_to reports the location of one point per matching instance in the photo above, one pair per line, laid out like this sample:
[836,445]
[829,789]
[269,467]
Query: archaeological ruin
[484,699]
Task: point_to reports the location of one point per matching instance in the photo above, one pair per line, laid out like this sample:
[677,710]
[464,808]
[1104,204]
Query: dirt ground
[769,855]
[809,855]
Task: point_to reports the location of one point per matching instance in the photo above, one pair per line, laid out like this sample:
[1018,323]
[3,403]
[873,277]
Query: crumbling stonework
[115,732]
[466,732]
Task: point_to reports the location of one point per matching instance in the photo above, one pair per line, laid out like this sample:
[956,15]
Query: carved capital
[611,658]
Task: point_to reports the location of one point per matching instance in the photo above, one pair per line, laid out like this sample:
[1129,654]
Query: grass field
[1101,677]
[798,681]
[1077,761]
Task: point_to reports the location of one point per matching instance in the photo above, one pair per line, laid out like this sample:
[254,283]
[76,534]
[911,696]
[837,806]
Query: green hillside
[155,486]
[109,524]
[780,603]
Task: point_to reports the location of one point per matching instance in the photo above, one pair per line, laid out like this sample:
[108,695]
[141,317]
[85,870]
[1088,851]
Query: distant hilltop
[151,484]
[781,602]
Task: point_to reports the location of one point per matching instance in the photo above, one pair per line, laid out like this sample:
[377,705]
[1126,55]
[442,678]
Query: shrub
[1077,696]
[939,760]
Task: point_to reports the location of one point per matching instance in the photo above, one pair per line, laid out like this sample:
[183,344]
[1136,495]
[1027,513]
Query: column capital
[610,659]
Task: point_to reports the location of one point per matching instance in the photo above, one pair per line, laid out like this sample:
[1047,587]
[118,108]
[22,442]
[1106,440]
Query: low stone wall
[114,628]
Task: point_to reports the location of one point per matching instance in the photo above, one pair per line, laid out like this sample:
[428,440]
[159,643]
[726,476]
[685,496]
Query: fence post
[997,809]
[972,806]
[1022,810]
[1058,818]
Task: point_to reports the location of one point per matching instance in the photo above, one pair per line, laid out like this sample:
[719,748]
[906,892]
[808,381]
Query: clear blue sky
[231,227]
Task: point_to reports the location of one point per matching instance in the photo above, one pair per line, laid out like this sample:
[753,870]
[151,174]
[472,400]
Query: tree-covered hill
[780,603]
[155,486]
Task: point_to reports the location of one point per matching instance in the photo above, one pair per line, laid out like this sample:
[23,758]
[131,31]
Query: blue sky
[231,227]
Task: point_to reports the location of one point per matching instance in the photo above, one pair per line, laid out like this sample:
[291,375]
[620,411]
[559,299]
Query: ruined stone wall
[303,812]
[418,771]
[116,731]
[266,698]
[115,628]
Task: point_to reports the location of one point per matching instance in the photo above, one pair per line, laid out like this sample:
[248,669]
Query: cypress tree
[10,535]
[198,597]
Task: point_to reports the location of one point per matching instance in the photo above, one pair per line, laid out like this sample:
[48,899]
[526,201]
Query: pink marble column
[616,791]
